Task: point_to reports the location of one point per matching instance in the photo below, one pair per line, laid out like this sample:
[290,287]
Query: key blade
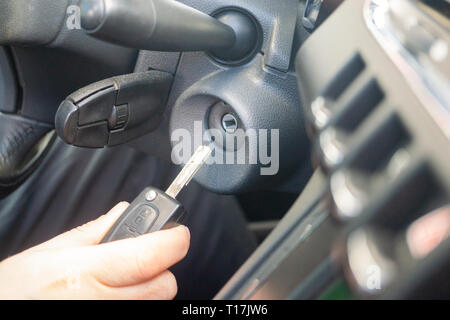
[189,171]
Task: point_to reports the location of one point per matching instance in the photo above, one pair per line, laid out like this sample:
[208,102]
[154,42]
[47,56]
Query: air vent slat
[344,78]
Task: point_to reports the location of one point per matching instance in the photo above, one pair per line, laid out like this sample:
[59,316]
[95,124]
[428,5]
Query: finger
[90,233]
[161,287]
[132,261]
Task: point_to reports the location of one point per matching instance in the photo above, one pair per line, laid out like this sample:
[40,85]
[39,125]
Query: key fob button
[144,218]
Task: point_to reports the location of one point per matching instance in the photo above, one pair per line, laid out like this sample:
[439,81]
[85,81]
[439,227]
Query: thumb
[90,233]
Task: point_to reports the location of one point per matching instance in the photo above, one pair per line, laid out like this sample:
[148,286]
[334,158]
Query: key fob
[151,211]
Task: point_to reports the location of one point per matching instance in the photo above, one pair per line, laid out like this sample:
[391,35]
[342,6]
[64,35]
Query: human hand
[74,265]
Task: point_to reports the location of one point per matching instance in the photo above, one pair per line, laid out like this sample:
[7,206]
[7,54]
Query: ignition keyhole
[229,123]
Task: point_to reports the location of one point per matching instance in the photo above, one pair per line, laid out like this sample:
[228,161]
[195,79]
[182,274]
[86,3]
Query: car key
[154,209]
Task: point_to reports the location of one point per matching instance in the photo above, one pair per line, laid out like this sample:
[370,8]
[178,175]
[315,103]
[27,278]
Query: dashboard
[376,109]
[361,89]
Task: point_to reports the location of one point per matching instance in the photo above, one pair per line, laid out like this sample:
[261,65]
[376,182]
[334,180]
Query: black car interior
[359,90]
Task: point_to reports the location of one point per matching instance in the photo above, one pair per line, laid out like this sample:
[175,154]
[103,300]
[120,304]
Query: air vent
[321,109]
[418,194]
[360,107]
[341,129]
[344,78]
